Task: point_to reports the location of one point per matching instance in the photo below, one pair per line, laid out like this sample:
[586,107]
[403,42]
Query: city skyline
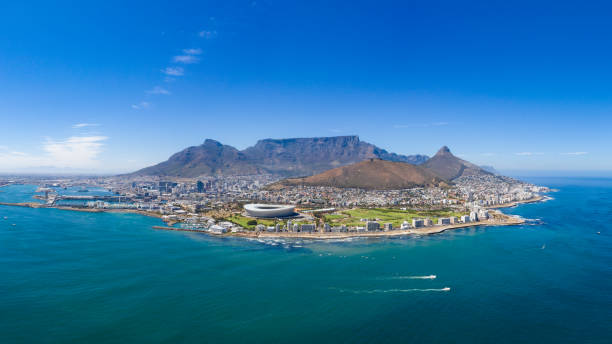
[515,87]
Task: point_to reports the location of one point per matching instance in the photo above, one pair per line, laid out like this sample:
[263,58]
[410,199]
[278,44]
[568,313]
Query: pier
[52,199]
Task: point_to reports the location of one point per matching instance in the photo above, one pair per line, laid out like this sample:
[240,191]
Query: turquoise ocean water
[72,277]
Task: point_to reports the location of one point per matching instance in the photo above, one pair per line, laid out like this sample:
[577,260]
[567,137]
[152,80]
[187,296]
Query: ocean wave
[379,291]
[534,222]
[285,243]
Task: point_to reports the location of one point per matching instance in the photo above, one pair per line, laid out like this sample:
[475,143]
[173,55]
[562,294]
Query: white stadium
[269,210]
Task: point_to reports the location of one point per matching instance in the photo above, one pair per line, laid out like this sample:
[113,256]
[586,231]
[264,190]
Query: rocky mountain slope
[210,158]
[370,174]
[449,167]
[284,157]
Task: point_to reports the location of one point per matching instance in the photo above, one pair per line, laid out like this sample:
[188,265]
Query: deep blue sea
[72,277]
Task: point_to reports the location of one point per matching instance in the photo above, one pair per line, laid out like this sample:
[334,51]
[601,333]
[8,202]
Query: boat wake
[430,277]
[379,291]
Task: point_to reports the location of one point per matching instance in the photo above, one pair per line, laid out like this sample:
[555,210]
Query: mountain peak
[444,150]
[211,142]
[450,167]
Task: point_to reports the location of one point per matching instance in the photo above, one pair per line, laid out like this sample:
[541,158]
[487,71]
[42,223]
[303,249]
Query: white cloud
[488,154]
[528,153]
[186,59]
[208,34]
[158,90]
[76,151]
[437,124]
[141,105]
[192,51]
[83,125]
[575,153]
[173,71]
[73,152]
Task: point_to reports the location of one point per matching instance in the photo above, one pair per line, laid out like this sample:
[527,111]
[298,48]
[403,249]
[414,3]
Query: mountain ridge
[285,157]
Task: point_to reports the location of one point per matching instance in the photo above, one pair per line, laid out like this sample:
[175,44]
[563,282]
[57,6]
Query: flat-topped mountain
[285,157]
[370,174]
[307,156]
[449,167]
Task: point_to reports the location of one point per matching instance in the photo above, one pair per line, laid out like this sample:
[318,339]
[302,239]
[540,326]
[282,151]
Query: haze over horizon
[89,89]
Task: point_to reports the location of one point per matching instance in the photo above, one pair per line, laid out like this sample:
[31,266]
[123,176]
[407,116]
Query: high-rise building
[444,221]
[372,226]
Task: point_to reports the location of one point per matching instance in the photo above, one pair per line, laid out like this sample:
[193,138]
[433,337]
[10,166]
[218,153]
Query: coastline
[498,219]
[515,203]
[85,210]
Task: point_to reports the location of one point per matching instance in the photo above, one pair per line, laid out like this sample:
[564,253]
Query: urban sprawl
[215,204]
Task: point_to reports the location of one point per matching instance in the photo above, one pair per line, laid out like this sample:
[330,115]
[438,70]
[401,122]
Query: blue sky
[113,87]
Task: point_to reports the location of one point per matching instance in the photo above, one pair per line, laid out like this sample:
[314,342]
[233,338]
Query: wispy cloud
[84,125]
[192,51]
[76,151]
[437,124]
[141,105]
[207,34]
[73,152]
[575,153]
[529,153]
[158,90]
[186,59]
[488,154]
[173,71]
[189,56]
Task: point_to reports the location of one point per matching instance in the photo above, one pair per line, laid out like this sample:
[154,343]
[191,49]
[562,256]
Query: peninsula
[372,193]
